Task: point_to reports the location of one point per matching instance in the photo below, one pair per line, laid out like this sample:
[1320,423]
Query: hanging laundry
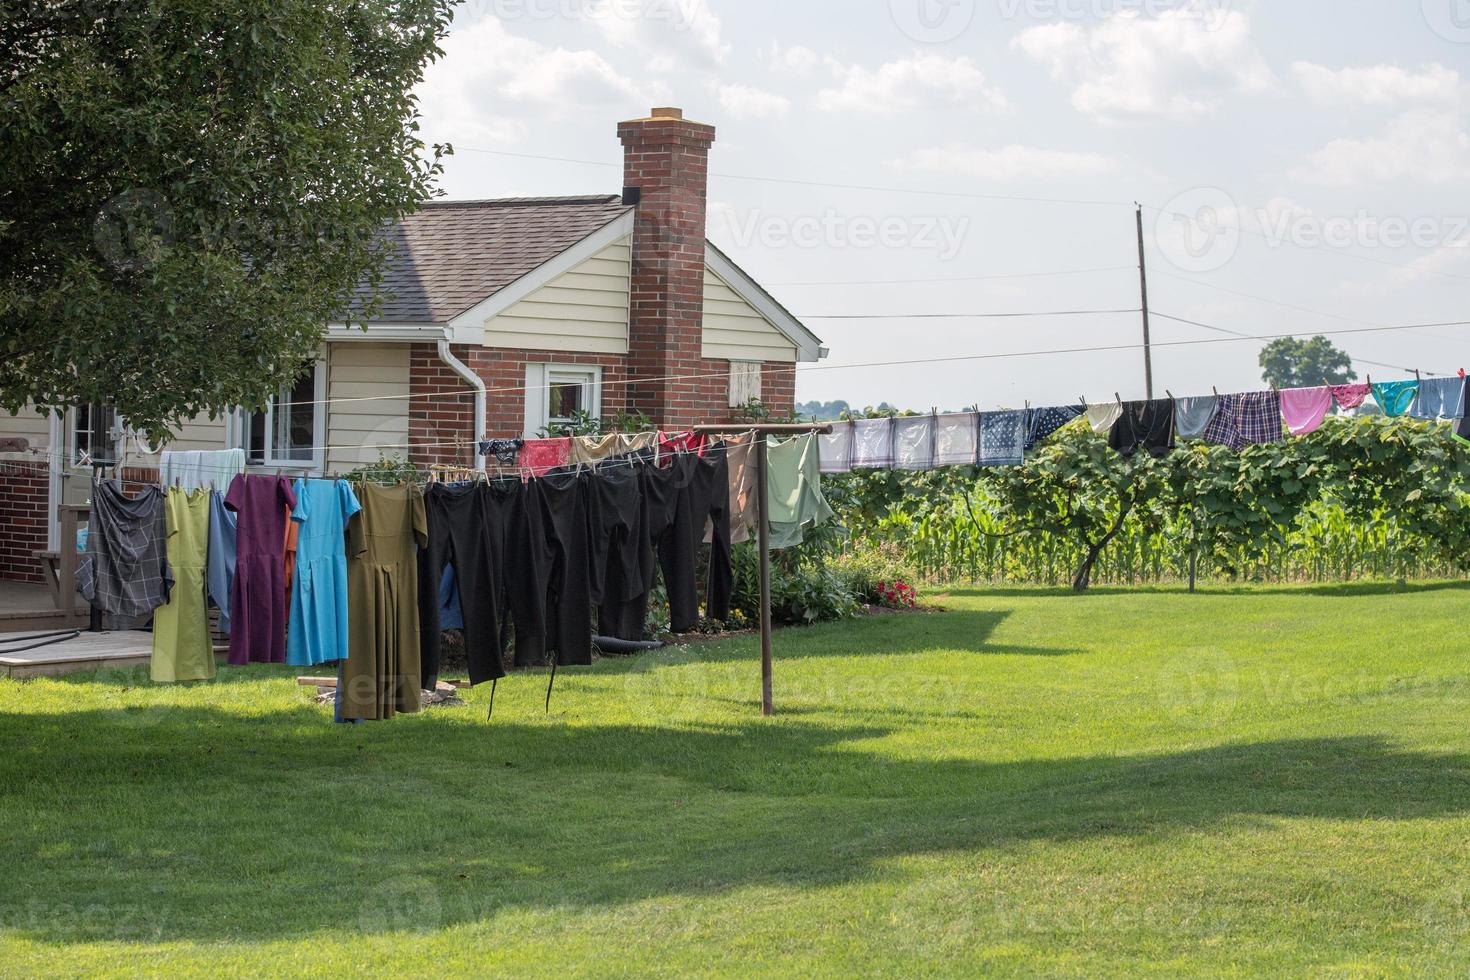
[1002,438]
[590,449]
[1102,415]
[1395,397]
[289,553]
[565,563]
[182,649]
[1147,425]
[703,496]
[1350,396]
[189,469]
[1242,420]
[539,456]
[794,490]
[681,442]
[637,442]
[872,444]
[515,544]
[126,573]
[744,503]
[505,451]
[1440,398]
[957,439]
[317,629]
[458,542]
[221,571]
[615,527]
[1462,427]
[1042,422]
[659,491]
[1192,415]
[1304,409]
[835,448]
[258,600]
[913,442]
[383,672]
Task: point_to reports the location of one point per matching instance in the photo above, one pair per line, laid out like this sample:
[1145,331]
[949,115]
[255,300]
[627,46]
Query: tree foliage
[1291,362]
[190,191]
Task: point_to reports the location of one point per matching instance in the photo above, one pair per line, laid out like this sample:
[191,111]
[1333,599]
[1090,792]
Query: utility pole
[1148,359]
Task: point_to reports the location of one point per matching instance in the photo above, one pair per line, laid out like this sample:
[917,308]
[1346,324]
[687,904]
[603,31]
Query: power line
[1359,360]
[797,182]
[955,316]
[903,282]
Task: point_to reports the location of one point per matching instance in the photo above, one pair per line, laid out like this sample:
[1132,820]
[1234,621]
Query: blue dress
[220,575]
[317,630]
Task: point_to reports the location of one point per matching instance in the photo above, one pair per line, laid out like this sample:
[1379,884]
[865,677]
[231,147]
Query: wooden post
[763,525]
[66,565]
[763,538]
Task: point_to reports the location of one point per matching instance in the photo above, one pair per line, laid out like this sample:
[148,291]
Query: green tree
[1290,362]
[191,190]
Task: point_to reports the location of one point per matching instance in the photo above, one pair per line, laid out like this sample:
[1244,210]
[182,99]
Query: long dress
[258,599]
[318,628]
[182,650]
[383,670]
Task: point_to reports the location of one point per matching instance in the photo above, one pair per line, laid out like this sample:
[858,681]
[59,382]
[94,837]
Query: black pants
[658,496]
[1144,424]
[514,528]
[458,536]
[703,494]
[566,583]
[615,525]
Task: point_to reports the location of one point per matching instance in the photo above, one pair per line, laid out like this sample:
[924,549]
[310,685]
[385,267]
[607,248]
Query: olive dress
[382,673]
[182,649]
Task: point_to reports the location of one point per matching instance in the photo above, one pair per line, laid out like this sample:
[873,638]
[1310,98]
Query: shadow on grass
[213,826]
[1340,590]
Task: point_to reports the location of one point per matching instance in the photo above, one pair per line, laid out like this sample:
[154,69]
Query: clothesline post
[763,531]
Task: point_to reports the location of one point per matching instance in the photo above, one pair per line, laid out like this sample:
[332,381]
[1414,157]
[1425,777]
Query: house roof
[452,255]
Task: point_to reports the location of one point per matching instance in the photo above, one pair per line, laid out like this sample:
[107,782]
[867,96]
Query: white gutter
[476,382]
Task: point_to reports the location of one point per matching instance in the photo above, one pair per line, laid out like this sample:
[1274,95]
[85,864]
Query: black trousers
[458,536]
[703,495]
[564,561]
[615,524]
[658,497]
[514,527]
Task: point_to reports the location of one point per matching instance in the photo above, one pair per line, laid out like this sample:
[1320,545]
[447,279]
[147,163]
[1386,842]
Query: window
[556,393]
[86,447]
[745,382]
[289,432]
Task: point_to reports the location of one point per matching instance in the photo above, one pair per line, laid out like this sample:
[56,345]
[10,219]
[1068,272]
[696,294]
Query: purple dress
[258,598]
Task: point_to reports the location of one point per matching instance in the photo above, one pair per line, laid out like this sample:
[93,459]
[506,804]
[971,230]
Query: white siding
[735,330]
[31,424]
[583,310]
[362,370]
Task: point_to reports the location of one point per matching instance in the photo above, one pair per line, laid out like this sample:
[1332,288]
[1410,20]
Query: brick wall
[442,408]
[23,501]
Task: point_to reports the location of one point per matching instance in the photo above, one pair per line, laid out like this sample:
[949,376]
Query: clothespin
[1120,399]
[1215,390]
[1169,393]
[1370,380]
[1417,376]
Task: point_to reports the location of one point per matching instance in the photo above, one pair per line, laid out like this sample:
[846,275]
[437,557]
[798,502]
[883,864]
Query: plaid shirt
[126,571]
[1246,419]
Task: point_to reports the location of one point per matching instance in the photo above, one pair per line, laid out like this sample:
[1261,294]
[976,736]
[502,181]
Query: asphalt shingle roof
[452,255]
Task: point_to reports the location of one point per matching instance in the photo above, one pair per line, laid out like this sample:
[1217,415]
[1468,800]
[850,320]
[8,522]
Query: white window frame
[240,436]
[540,377]
[73,417]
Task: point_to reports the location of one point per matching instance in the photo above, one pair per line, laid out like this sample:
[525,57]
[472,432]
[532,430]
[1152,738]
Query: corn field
[950,544]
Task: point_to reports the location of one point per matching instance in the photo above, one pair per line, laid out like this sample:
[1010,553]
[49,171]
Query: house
[503,317]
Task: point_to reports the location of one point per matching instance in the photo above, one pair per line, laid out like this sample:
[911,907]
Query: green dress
[382,673]
[794,489]
[182,649]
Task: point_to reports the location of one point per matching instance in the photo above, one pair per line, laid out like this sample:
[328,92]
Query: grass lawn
[1232,782]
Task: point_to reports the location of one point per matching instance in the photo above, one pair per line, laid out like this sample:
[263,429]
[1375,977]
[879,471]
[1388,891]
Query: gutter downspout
[478,384]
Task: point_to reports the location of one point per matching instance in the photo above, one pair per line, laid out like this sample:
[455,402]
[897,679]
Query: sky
[1304,167]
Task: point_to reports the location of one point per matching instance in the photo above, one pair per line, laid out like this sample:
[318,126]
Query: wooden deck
[29,606]
[85,651]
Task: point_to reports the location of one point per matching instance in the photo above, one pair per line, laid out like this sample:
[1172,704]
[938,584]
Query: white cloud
[491,83]
[749,102]
[1381,86]
[1424,146]
[1007,163]
[794,59]
[1178,66]
[670,31]
[923,80]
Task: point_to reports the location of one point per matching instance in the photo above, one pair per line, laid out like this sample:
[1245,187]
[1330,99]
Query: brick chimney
[665,171]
